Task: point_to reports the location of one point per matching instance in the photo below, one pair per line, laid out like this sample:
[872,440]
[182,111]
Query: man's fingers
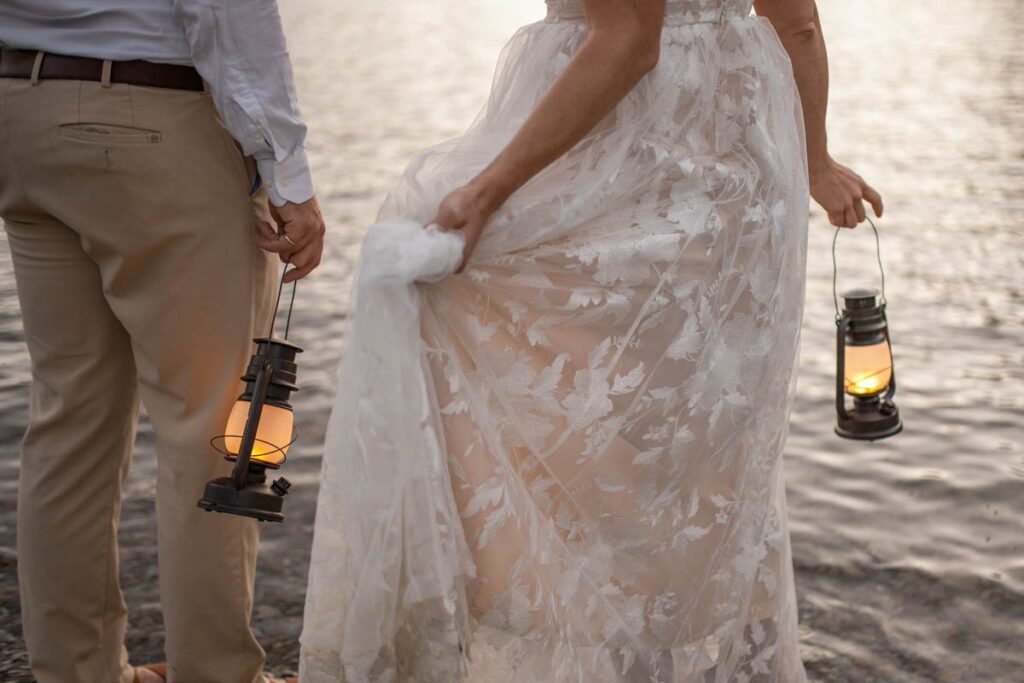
[299,273]
[276,246]
[266,230]
[305,261]
[302,232]
[287,241]
[298,237]
[276,214]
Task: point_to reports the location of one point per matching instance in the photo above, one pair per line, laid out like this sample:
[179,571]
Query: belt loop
[37,66]
[105,76]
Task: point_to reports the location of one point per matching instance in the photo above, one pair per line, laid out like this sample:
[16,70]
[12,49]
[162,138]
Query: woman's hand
[841,192]
[468,209]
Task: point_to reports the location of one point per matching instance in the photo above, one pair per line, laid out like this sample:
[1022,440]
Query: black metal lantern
[259,432]
[864,365]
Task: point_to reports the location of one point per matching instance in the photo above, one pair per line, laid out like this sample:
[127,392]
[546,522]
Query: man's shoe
[151,673]
[157,673]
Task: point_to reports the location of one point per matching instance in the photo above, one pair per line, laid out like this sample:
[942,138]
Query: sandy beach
[909,552]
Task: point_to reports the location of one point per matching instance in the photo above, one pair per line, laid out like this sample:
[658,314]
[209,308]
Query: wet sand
[909,552]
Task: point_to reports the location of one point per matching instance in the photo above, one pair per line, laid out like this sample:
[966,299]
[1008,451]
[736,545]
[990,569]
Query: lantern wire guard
[874,415]
[269,382]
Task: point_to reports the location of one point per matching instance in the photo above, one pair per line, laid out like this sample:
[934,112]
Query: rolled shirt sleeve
[238,47]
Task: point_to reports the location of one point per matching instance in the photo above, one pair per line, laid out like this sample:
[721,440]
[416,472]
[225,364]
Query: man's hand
[299,234]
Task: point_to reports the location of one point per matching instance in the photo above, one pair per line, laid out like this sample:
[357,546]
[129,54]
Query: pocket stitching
[141,136]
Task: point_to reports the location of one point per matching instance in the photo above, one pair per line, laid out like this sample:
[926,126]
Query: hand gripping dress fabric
[564,464]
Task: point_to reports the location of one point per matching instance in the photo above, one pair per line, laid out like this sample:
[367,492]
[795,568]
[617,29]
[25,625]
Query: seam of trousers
[112,563]
[241,551]
[78,100]
[256,287]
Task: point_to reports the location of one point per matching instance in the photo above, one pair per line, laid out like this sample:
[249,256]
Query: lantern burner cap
[277,348]
[860,298]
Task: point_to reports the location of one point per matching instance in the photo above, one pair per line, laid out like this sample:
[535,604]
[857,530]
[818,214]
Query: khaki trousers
[130,220]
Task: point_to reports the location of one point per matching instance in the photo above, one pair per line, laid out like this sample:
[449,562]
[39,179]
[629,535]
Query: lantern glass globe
[868,369]
[273,436]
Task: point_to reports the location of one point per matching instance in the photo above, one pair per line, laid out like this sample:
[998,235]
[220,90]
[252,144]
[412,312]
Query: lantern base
[869,420]
[261,502]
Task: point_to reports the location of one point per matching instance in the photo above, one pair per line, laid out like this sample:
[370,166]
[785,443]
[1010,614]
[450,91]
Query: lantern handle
[291,304]
[835,266]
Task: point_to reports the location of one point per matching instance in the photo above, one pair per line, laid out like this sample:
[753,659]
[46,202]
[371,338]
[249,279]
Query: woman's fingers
[873,198]
[842,193]
[468,209]
[849,217]
[448,219]
[471,231]
[858,209]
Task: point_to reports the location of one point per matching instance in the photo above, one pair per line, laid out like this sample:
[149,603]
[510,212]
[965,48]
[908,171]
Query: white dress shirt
[237,46]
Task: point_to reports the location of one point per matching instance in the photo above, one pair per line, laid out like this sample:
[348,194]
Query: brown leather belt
[20,63]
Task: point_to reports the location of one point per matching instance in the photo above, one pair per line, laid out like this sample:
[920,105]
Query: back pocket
[107,134]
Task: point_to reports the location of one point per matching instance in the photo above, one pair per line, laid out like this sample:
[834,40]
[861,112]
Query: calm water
[909,552]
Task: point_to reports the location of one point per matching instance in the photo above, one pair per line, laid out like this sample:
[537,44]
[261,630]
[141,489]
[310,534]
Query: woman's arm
[621,47]
[835,187]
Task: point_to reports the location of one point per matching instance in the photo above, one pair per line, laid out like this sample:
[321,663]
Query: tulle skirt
[565,463]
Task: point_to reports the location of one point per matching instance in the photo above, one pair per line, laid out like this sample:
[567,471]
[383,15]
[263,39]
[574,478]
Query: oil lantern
[259,431]
[864,363]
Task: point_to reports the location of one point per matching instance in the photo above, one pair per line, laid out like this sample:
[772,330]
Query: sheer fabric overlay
[565,463]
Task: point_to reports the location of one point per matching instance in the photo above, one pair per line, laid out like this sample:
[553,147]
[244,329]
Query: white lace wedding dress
[565,464]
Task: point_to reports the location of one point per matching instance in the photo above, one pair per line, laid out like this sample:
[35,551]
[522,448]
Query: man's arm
[238,47]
